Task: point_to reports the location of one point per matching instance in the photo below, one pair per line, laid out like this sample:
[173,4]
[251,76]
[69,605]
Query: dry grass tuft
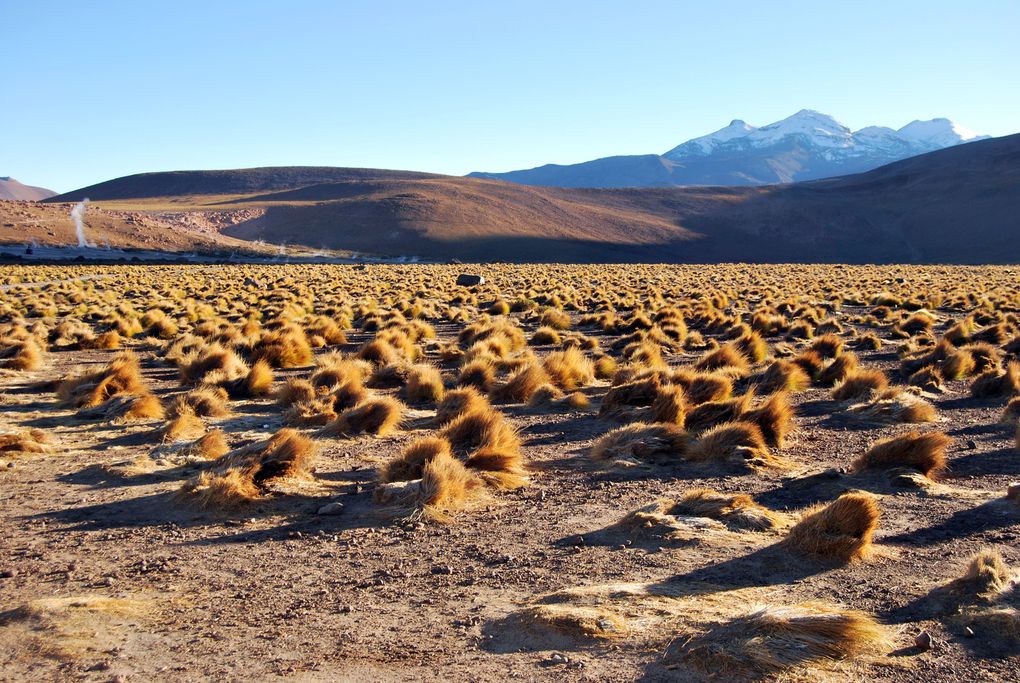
[569,369]
[733,442]
[925,453]
[734,510]
[521,385]
[774,417]
[376,416]
[458,402]
[783,375]
[995,383]
[840,532]
[26,441]
[861,384]
[642,442]
[410,463]
[425,384]
[670,405]
[445,486]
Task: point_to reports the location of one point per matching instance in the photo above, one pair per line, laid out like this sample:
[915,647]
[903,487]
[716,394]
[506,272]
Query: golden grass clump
[208,401]
[424,384]
[212,364]
[732,442]
[410,463]
[894,407]
[445,486]
[839,532]
[122,375]
[458,402]
[520,385]
[25,441]
[242,475]
[377,416]
[707,415]
[861,384]
[184,423]
[827,345]
[1011,413]
[994,383]
[295,390]
[23,354]
[734,510]
[914,450]
[774,417]
[669,405]
[286,347]
[642,442]
[545,335]
[479,373]
[783,375]
[703,387]
[569,369]
[482,428]
[773,639]
[838,370]
[728,359]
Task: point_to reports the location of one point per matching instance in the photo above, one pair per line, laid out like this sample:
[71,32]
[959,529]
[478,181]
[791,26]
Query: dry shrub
[727,358]
[839,532]
[733,442]
[257,382]
[734,510]
[868,341]
[390,375]
[709,414]
[670,405]
[838,370]
[295,390]
[752,347]
[212,364]
[774,417]
[544,336]
[894,407]
[459,402]
[827,345]
[376,416]
[26,441]
[183,424]
[286,347]
[773,639]
[861,384]
[425,384]
[332,370]
[619,398]
[520,386]
[484,428]
[241,475]
[994,383]
[211,446]
[20,355]
[445,486]
[957,364]
[783,375]
[207,401]
[121,376]
[569,369]
[411,461]
[811,362]
[703,387]
[927,379]
[925,453]
[1011,414]
[479,373]
[108,340]
[640,441]
[605,367]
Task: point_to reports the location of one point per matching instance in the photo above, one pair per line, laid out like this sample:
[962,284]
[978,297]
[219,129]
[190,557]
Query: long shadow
[995,514]
[817,407]
[1000,461]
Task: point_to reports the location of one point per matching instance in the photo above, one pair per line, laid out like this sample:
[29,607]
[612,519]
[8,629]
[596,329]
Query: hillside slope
[11,189]
[957,205]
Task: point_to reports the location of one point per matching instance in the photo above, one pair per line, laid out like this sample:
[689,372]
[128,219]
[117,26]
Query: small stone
[972,445]
[923,641]
[558,659]
[969,632]
[331,509]
[8,573]
[1013,491]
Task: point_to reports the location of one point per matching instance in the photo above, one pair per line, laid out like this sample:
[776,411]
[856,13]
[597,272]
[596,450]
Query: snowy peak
[937,133]
[832,138]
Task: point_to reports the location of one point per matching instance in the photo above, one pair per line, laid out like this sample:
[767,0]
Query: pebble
[923,640]
[557,658]
[8,573]
[972,444]
[1013,490]
[331,509]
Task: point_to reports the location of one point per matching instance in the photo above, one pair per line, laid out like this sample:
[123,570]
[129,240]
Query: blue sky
[96,90]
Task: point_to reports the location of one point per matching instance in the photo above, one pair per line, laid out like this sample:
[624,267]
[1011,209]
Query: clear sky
[93,90]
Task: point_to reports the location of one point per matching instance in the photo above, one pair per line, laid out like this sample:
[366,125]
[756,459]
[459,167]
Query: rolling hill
[12,189]
[955,205]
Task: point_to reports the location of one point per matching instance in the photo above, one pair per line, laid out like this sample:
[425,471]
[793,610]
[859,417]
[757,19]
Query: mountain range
[954,205]
[808,145]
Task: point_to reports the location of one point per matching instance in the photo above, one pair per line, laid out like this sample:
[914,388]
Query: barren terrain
[129,550]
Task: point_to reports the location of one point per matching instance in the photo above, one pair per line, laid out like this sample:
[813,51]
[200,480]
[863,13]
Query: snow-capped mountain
[805,146]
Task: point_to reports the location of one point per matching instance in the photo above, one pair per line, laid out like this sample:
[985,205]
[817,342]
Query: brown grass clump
[242,475]
[286,347]
[774,417]
[376,416]
[783,375]
[28,441]
[208,401]
[459,402]
[520,386]
[994,383]
[620,398]
[479,373]
[670,405]
[838,370]
[183,424]
[640,441]
[894,407]
[212,364]
[486,428]
[827,345]
[704,387]
[957,365]
[861,384]
[840,532]
[569,369]
[605,367]
[727,358]
[211,446]
[295,390]
[445,486]
[811,362]
[425,384]
[709,414]
[1011,414]
[927,379]
[122,376]
[734,510]
[868,341]
[773,639]
[545,335]
[20,355]
[410,463]
[922,452]
[732,442]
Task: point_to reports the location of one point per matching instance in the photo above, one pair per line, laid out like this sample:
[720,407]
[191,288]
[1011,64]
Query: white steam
[78,216]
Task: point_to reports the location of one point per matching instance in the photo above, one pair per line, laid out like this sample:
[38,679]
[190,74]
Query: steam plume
[78,216]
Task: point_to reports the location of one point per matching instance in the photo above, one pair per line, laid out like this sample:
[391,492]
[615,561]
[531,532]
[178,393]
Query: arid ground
[605,473]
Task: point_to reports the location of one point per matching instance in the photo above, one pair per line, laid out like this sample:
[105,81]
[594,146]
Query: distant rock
[466,280]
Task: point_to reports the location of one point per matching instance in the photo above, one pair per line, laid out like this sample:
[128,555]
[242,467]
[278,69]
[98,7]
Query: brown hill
[12,189]
[957,205]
